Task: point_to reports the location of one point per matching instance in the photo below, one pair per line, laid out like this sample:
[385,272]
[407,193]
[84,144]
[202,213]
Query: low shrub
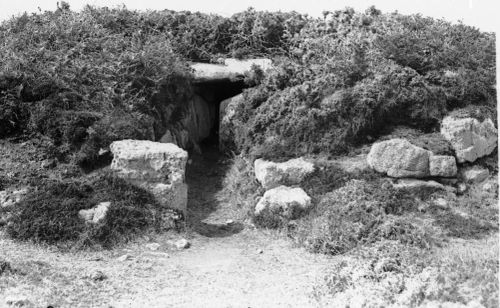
[50,213]
[240,187]
[433,142]
[359,212]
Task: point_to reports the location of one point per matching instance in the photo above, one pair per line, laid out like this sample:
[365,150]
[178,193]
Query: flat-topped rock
[399,158]
[271,174]
[230,69]
[283,201]
[157,167]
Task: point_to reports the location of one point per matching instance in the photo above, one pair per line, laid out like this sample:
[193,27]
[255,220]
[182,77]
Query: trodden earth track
[227,265]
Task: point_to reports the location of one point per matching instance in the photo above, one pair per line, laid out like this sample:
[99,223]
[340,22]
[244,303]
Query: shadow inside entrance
[204,176]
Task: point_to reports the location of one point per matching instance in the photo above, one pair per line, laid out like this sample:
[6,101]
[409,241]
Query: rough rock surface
[417,185]
[399,158]
[470,138]
[442,165]
[475,174]
[230,69]
[199,120]
[283,201]
[227,124]
[271,174]
[195,125]
[96,214]
[156,167]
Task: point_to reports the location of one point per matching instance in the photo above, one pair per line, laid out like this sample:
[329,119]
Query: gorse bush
[62,72]
[352,74]
[360,212]
[336,79]
[50,214]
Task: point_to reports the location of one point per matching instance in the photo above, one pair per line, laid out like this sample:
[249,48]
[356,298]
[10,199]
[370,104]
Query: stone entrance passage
[215,86]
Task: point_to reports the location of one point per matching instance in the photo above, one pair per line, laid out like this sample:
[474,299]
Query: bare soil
[227,265]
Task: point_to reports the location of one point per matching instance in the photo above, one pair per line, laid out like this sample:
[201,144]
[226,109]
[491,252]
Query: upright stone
[228,123]
[156,167]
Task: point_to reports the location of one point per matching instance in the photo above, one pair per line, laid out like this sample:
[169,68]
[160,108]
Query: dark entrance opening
[214,92]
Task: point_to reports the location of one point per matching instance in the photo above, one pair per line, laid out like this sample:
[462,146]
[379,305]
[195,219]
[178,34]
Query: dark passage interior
[214,92]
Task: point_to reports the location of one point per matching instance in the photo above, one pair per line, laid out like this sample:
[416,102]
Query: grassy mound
[50,214]
[354,74]
[360,212]
[83,81]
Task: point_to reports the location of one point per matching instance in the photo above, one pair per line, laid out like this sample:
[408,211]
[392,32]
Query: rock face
[200,119]
[283,201]
[230,69]
[156,167]
[442,165]
[475,174]
[399,158]
[271,175]
[470,138]
[227,124]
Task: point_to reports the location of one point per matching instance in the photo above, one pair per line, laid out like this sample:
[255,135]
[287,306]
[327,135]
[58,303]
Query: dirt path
[227,265]
[231,265]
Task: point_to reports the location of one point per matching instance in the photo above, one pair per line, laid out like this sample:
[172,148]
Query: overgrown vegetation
[360,212]
[339,78]
[51,214]
[353,74]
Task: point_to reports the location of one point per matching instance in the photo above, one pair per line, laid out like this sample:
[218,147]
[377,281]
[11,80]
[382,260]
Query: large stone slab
[229,69]
[156,167]
[271,174]
[283,201]
[470,138]
[399,158]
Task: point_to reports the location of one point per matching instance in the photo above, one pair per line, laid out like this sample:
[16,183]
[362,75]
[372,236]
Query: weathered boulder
[283,201]
[469,138]
[399,158]
[156,167]
[229,69]
[227,122]
[96,214]
[475,174]
[442,165]
[271,174]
